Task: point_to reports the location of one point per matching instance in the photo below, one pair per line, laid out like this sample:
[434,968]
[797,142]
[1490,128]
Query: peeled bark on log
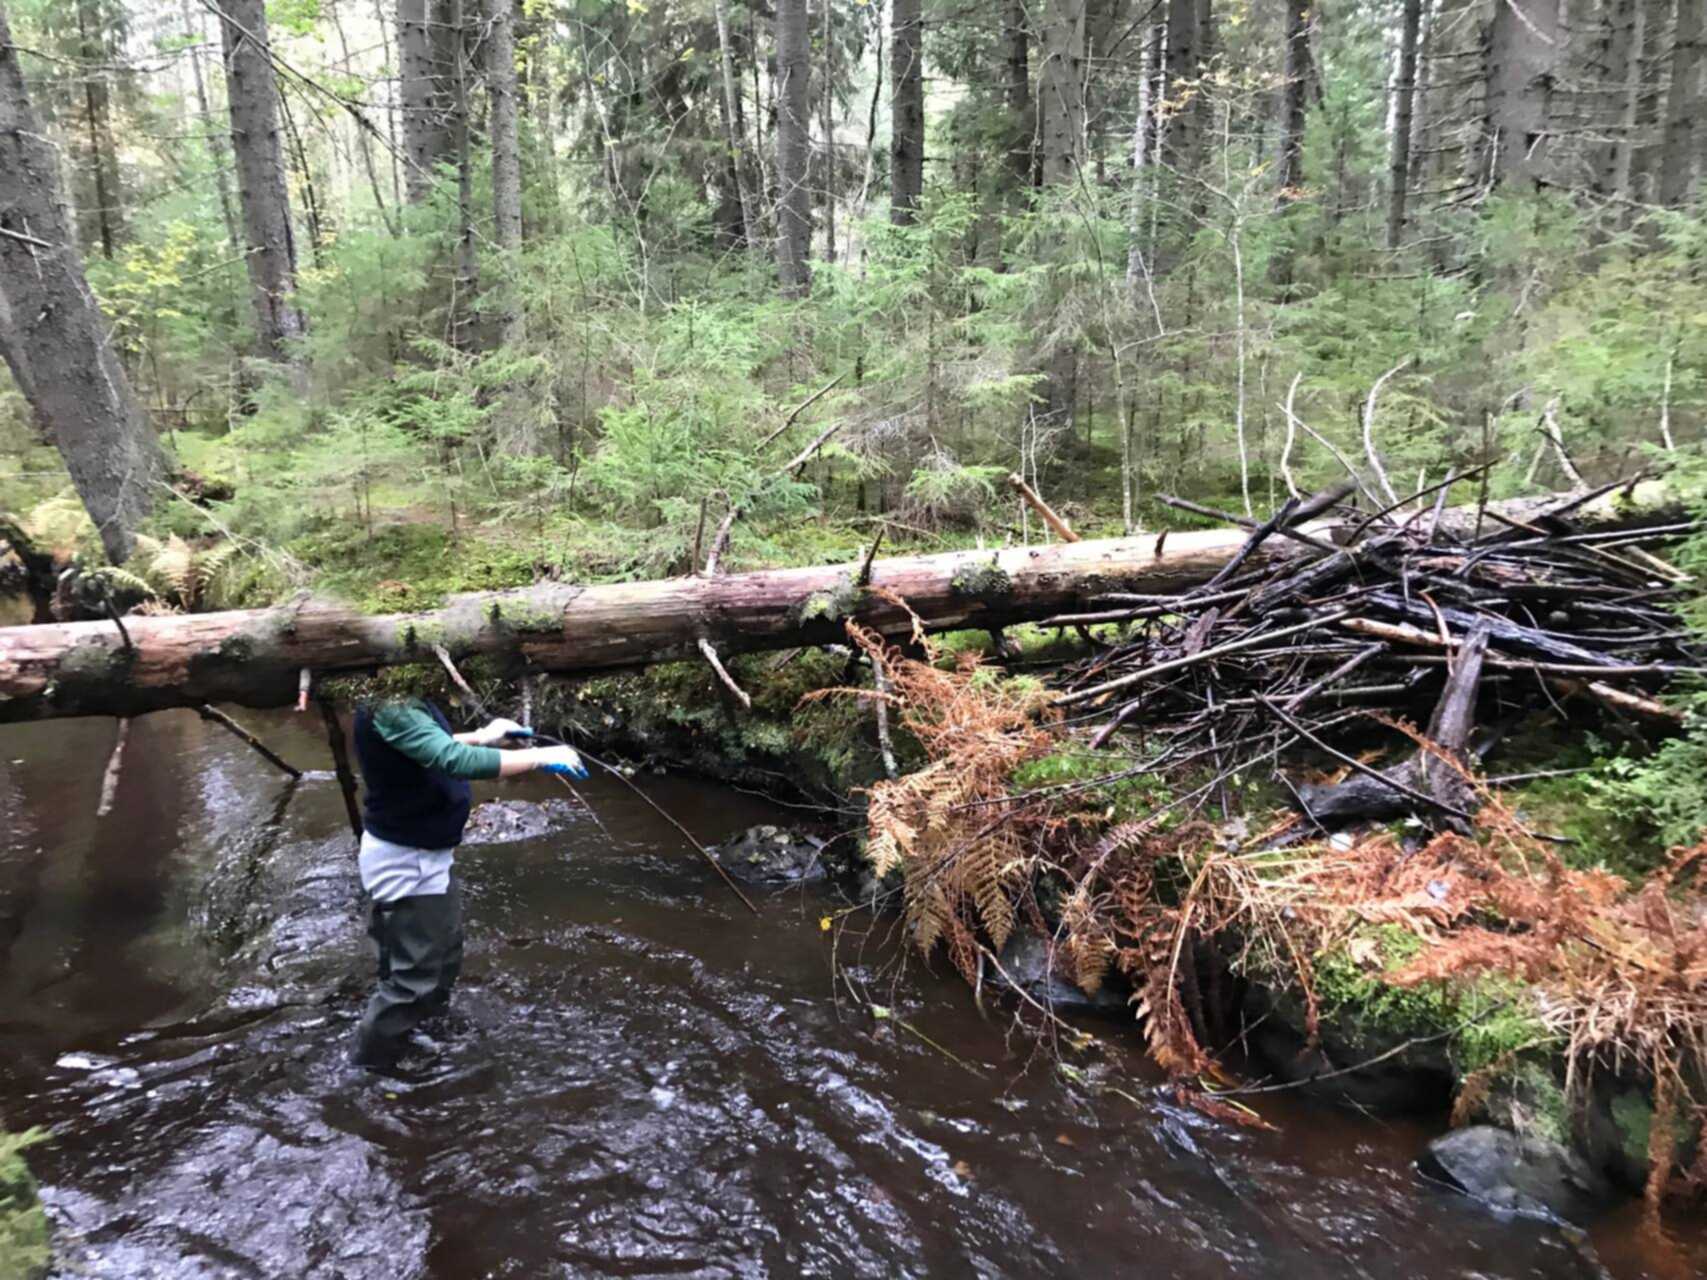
[254,658]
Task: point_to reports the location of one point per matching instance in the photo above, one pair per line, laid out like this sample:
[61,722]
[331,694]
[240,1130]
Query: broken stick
[110,783]
[224,721]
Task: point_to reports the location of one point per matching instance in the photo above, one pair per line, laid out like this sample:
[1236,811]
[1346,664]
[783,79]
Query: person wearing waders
[417,774]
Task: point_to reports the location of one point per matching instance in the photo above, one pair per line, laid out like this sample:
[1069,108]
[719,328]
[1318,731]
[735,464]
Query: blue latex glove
[561,760]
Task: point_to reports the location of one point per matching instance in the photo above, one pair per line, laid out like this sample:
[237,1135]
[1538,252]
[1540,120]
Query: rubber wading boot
[420,956]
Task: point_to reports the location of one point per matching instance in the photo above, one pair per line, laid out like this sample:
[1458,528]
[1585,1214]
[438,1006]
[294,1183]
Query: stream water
[642,1078]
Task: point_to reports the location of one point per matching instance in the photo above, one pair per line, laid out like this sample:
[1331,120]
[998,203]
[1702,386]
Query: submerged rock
[506,821]
[773,855]
[1517,1173]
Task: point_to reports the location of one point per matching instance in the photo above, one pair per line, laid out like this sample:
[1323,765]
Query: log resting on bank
[253,657]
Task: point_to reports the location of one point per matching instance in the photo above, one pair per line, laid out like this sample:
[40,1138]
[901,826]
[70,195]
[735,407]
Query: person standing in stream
[417,775]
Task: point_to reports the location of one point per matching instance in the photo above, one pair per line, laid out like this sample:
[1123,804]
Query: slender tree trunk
[467,282]
[1143,147]
[269,244]
[217,147]
[103,153]
[506,151]
[1683,105]
[906,111]
[734,135]
[827,106]
[1061,90]
[793,148]
[305,174]
[541,97]
[1405,91]
[394,136]
[364,144]
[53,336]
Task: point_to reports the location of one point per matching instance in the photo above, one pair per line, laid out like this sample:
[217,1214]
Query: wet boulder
[770,855]
[1027,964]
[507,821]
[1352,1060]
[1516,1173]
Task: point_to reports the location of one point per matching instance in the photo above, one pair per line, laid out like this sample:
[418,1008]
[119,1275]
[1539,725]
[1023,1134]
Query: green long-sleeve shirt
[408,729]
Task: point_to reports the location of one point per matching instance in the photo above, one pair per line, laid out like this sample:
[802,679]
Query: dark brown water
[646,1080]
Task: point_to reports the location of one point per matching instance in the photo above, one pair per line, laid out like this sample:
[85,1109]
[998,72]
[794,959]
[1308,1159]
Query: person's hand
[560,760]
[497,731]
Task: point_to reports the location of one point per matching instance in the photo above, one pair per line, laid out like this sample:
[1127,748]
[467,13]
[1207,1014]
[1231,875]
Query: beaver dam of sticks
[1277,780]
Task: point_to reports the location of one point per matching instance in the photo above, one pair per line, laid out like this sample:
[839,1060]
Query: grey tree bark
[506,146]
[1061,90]
[793,149]
[1683,105]
[270,244]
[53,336]
[1525,50]
[1646,149]
[1405,92]
[423,44]
[906,111]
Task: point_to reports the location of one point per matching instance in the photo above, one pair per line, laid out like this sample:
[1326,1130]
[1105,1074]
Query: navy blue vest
[406,804]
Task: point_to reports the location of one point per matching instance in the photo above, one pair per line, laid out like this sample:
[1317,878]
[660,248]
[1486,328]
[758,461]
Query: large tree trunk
[1683,105]
[1183,136]
[1021,109]
[255,657]
[906,111]
[1294,97]
[422,40]
[1405,92]
[506,147]
[271,245]
[1061,91]
[53,336]
[793,149]
[1525,50]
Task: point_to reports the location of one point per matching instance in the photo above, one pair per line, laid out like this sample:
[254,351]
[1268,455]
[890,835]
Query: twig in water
[110,783]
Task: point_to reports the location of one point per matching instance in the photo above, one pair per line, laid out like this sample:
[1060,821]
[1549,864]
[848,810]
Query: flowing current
[642,1079]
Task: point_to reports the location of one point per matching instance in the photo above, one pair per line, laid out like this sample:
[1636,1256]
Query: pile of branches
[1399,615]
[1480,617]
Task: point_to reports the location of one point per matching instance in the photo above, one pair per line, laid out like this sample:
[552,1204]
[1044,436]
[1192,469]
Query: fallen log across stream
[255,658]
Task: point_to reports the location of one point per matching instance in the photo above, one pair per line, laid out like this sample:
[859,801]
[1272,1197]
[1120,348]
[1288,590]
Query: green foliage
[24,1250]
[1121,800]
[1666,788]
